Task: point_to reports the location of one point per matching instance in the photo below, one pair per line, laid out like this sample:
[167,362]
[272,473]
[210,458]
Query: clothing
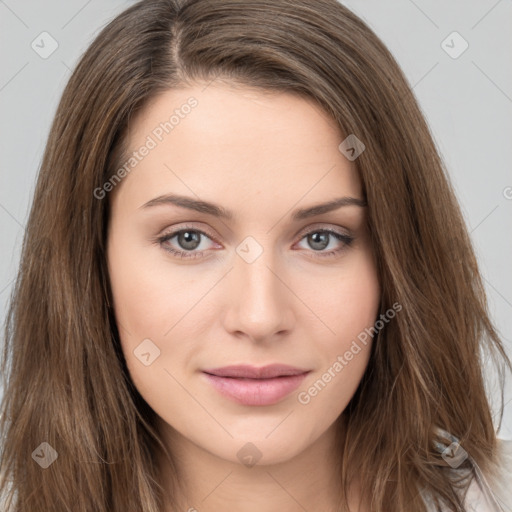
[493,496]
[485,494]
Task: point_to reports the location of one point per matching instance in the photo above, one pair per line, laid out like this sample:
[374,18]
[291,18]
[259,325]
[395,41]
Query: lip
[250,385]
[245,371]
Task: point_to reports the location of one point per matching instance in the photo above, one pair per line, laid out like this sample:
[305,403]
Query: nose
[259,304]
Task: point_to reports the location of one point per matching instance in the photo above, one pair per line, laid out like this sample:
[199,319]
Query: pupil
[319,240]
[189,239]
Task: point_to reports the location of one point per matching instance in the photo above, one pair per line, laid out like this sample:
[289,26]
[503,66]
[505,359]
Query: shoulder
[493,494]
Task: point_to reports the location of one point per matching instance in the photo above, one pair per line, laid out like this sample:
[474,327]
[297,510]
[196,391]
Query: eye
[192,243]
[188,238]
[321,239]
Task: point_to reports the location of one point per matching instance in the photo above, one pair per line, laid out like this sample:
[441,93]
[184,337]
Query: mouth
[249,385]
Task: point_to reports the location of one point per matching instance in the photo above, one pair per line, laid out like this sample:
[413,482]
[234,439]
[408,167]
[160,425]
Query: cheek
[348,304]
[350,311]
[344,356]
[148,299]
[156,308]
[358,303]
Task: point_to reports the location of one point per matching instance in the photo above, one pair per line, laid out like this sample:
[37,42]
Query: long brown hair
[65,379]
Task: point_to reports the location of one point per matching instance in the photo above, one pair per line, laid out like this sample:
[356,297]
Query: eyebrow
[220,212]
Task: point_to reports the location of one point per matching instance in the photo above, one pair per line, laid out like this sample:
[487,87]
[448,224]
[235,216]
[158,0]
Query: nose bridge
[258,282]
[260,302]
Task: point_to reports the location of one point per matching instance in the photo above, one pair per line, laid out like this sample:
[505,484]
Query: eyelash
[346,239]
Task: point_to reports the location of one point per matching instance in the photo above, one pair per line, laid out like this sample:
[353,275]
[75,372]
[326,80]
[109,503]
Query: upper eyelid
[318,226]
[172,232]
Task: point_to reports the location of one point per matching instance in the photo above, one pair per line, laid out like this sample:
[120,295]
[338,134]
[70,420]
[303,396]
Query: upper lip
[252,372]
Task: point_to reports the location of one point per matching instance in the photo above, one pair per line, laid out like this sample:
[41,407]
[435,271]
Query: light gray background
[467,102]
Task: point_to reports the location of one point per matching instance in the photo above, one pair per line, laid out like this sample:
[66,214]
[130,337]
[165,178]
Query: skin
[261,155]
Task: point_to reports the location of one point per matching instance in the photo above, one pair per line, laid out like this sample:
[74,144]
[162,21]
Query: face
[240,271]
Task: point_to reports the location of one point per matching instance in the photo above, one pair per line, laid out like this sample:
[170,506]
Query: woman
[246,282]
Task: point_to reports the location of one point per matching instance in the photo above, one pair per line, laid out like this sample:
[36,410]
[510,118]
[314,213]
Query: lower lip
[256,391]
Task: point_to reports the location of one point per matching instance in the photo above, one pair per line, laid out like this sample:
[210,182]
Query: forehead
[238,143]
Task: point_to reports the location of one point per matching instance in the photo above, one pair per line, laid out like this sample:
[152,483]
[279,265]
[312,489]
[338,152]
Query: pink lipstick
[249,385]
